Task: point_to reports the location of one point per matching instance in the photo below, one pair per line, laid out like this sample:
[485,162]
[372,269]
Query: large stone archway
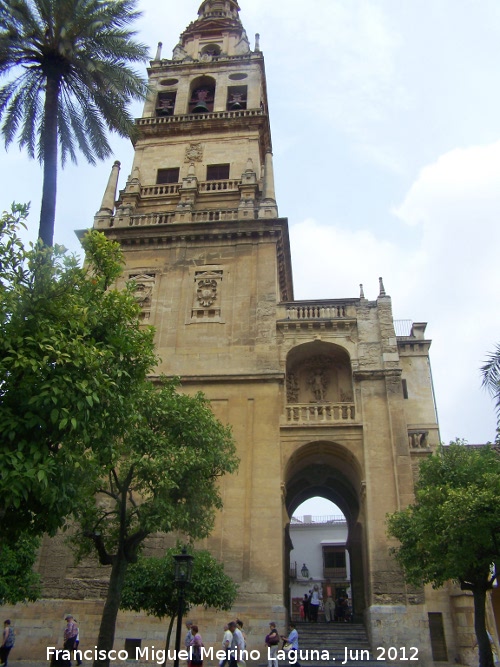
[328,469]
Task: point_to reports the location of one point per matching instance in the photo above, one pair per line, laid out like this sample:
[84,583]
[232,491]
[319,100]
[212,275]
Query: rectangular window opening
[217,172]
[164,176]
[131,645]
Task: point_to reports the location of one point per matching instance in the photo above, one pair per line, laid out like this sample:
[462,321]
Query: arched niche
[319,372]
[202,95]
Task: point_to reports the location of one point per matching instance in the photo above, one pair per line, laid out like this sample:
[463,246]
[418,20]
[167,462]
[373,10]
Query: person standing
[293,639]
[189,635]
[314,604]
[8,640]
[226,645]
[272,640]
[237,644]
[70,635]
[195,652]
[329,609]
[305,602]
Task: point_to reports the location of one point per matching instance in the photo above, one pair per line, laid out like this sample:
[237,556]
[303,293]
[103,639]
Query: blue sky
[385,117]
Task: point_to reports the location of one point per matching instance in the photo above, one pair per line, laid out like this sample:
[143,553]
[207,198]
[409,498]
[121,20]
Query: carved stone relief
[206,299]
[143,292]
[194,153]
[206,292]
[319,379]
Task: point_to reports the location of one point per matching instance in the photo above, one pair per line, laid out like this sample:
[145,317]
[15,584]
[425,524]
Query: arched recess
[330,470]
[319,373]
[202,95]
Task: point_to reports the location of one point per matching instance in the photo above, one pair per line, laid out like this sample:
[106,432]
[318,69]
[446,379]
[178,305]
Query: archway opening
[324,539]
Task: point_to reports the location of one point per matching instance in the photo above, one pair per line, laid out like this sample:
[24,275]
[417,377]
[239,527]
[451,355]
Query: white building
[319,556]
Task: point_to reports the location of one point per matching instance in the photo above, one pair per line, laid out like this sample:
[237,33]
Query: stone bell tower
[325,397]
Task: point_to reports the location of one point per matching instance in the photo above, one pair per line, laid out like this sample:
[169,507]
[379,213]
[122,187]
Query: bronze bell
[201,107]
[236,105]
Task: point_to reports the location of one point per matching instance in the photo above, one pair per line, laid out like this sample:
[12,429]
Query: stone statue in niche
[206,292]
[317,382]
[345,396]
[292,388]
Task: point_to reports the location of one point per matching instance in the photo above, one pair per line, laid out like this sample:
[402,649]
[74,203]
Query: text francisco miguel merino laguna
[150,654]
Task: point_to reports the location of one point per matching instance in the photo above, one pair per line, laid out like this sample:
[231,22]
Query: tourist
[226,645]
[314,604]
[70,635]
[8,639]
[189,635]
[329,610]
[272,641]
[293,640]
[240,628]
[237,644]
[195,652]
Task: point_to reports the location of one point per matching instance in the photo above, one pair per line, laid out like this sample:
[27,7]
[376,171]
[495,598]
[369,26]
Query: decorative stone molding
[194,153]
[143,292]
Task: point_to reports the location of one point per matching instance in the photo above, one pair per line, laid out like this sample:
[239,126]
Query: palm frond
[491,376]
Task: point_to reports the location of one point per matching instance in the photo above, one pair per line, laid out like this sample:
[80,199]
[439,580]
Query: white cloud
[448,277]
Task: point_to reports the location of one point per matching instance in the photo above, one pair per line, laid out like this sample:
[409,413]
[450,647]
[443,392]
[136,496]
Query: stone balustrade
[307,413]
[214,216]
[198,117]
[151,219]
[309,311]
[160,190]
[216,186]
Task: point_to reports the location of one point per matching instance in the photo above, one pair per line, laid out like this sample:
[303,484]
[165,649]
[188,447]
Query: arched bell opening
[202,95]
[328,470]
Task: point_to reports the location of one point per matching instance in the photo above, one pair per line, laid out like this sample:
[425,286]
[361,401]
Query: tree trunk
[106,637]
[169,634]
[48,210]
[483,641]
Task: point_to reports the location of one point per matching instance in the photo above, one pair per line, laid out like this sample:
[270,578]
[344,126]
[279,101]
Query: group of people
[71,641]
[233,643]
[272,641]
[338,611]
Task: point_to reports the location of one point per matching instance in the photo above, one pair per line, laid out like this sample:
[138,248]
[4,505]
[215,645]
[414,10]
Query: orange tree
[452,531]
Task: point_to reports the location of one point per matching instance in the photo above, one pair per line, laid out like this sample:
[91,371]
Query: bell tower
[198,223]
[325,397]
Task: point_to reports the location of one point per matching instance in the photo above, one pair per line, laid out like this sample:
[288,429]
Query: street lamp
[304,571]
[182,577]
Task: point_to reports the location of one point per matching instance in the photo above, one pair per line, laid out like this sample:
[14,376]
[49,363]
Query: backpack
[11,639]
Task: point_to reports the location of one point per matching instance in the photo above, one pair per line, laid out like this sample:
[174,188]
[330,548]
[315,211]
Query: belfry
[325,397]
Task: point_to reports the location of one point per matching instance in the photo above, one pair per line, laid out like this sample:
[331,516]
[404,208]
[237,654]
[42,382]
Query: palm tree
[491,377]
[72,80]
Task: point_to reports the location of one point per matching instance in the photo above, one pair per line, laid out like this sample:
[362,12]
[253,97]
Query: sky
[385,118]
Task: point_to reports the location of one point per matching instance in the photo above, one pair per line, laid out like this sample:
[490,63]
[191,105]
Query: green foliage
[453,529]
[71,79]
[167,463]
[165,477]
[71,354]
[18,582]
[150,586]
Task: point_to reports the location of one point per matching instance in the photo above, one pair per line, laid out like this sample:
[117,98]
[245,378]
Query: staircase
[333,643]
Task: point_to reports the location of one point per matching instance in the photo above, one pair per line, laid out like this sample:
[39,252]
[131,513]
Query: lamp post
[304,571]
[182,577]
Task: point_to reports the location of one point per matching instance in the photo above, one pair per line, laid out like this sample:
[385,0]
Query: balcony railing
[335,573]
[151,219]
[198,117]
[219,186]
[307,413]
[160,190]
